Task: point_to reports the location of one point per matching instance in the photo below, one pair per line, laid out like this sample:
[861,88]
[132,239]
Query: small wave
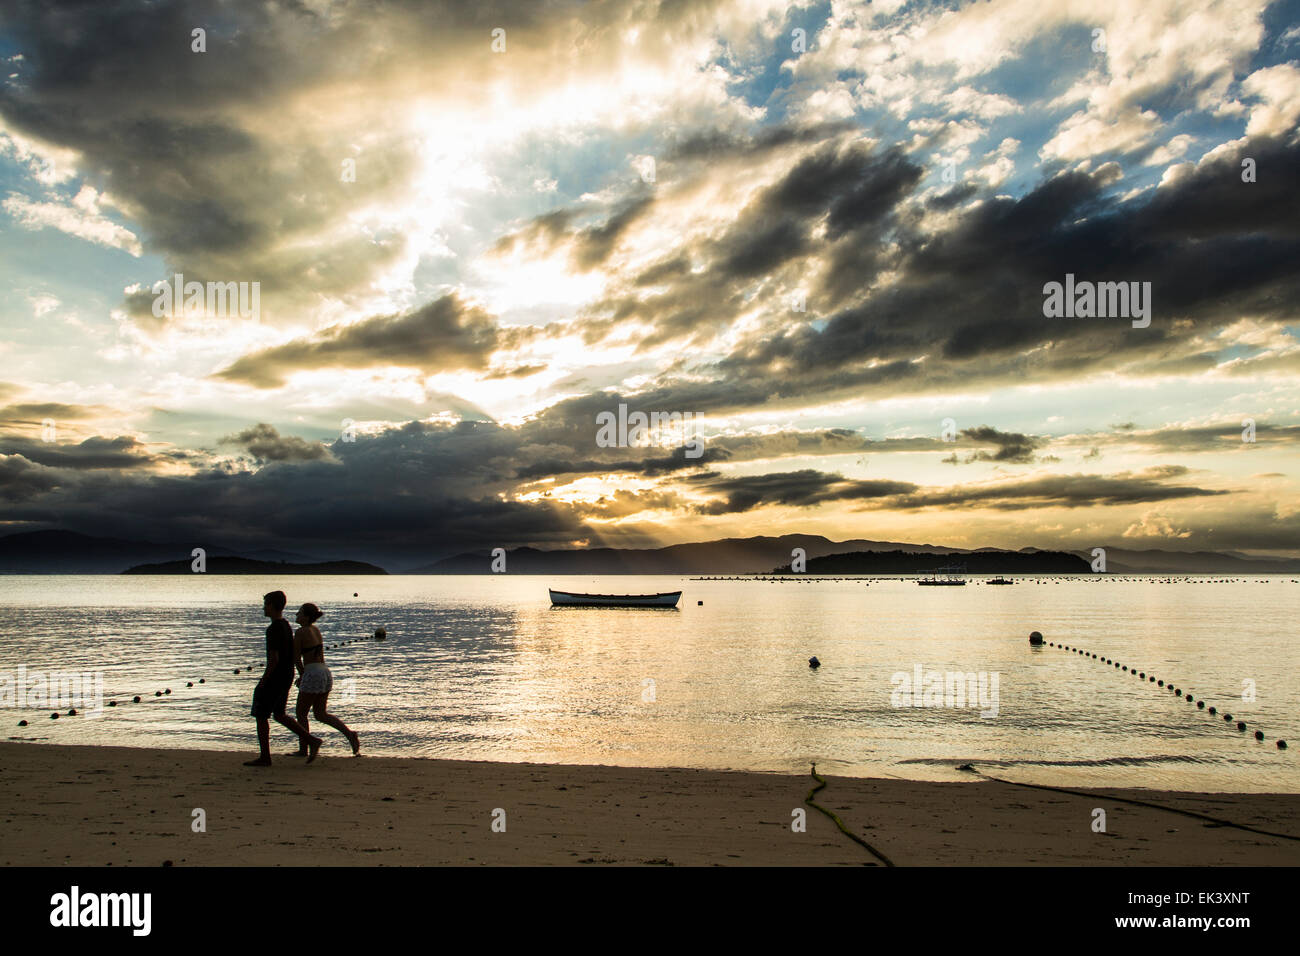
[1099,762]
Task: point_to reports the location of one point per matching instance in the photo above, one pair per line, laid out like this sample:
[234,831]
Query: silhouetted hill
[1192,562]
[729,555]
[758,555]
[984,561]
[236,565]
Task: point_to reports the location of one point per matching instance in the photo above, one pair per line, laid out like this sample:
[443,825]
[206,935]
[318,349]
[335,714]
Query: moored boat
[574,599]
[949,577]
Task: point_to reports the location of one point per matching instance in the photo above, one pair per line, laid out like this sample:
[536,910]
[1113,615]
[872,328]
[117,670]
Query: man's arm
[272,658]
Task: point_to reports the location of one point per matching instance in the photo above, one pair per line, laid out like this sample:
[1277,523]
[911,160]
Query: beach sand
[97,806]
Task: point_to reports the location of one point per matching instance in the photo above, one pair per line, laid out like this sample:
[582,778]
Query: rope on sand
[1137,803]
[821,785]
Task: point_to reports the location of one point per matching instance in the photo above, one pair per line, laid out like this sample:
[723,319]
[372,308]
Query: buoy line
[164,694]
[1142,675]
[1137,803]
[821,785]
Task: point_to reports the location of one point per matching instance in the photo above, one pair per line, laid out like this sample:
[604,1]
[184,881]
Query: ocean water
[483,668]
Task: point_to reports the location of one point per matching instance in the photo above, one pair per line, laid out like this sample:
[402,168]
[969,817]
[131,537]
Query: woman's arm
[297,650]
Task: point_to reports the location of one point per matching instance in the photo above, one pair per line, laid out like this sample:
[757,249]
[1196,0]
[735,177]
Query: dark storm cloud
[801,489]
[1062,491]
[1201,438]
[1012,447]
[713,145]
[21,480]
[265,443]
[408,492]
[809,487]
[444,335]
[33,413]
[94,452]
[590,245]
[706,283]
[968,300]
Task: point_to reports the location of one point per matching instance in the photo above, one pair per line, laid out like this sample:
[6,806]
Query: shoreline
[86,805]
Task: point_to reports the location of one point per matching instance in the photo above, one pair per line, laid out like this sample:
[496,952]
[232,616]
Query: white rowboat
[571,599]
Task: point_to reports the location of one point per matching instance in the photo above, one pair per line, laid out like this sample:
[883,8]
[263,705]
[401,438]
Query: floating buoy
[112,703]
[1241,725]
[1151,679]
[1259,735]
[136,698]
[354,593]
[1227,718]
[1281,744]
[54,716]
[189,683]
[380,633]
[236,670]
[1189,698]
[1213,711]
[699,604]
[157,693]
[814,663]
[1035,638]
[1200,705]
[72,712]
[167,691]
[1143,675]
[1160,684]
[23,723]
[203,680]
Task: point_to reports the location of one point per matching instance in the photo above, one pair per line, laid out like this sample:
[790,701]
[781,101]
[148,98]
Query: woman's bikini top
[308,648]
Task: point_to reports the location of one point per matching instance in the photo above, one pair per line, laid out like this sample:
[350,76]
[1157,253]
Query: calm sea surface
[483,668]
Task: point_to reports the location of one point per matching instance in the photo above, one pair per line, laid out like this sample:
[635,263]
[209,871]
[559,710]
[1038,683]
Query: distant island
[759,554]
[221,565]
[975,562]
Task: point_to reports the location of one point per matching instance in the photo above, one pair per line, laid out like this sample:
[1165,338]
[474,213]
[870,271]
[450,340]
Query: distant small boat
[571,599]
[1000,581]
[945,577]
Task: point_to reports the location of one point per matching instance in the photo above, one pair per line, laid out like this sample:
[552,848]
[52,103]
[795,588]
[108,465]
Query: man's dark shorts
[270,701]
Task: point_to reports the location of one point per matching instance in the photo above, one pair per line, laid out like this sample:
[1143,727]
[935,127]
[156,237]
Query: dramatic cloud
[442,335]
[830,255]
[264,443]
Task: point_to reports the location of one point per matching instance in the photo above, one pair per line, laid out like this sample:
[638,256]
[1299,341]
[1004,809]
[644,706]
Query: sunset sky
[629,203]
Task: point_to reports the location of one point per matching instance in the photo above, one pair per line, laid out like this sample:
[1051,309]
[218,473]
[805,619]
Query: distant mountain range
[763,554]
[975,562]
[67,552]
[221,565]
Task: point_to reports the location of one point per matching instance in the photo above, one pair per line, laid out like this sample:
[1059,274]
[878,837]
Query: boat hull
[573,599]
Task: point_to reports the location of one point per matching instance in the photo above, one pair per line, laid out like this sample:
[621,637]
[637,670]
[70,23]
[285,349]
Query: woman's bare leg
[325,717]
[303,706]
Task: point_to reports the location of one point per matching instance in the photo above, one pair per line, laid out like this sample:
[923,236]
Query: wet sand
[100,806]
